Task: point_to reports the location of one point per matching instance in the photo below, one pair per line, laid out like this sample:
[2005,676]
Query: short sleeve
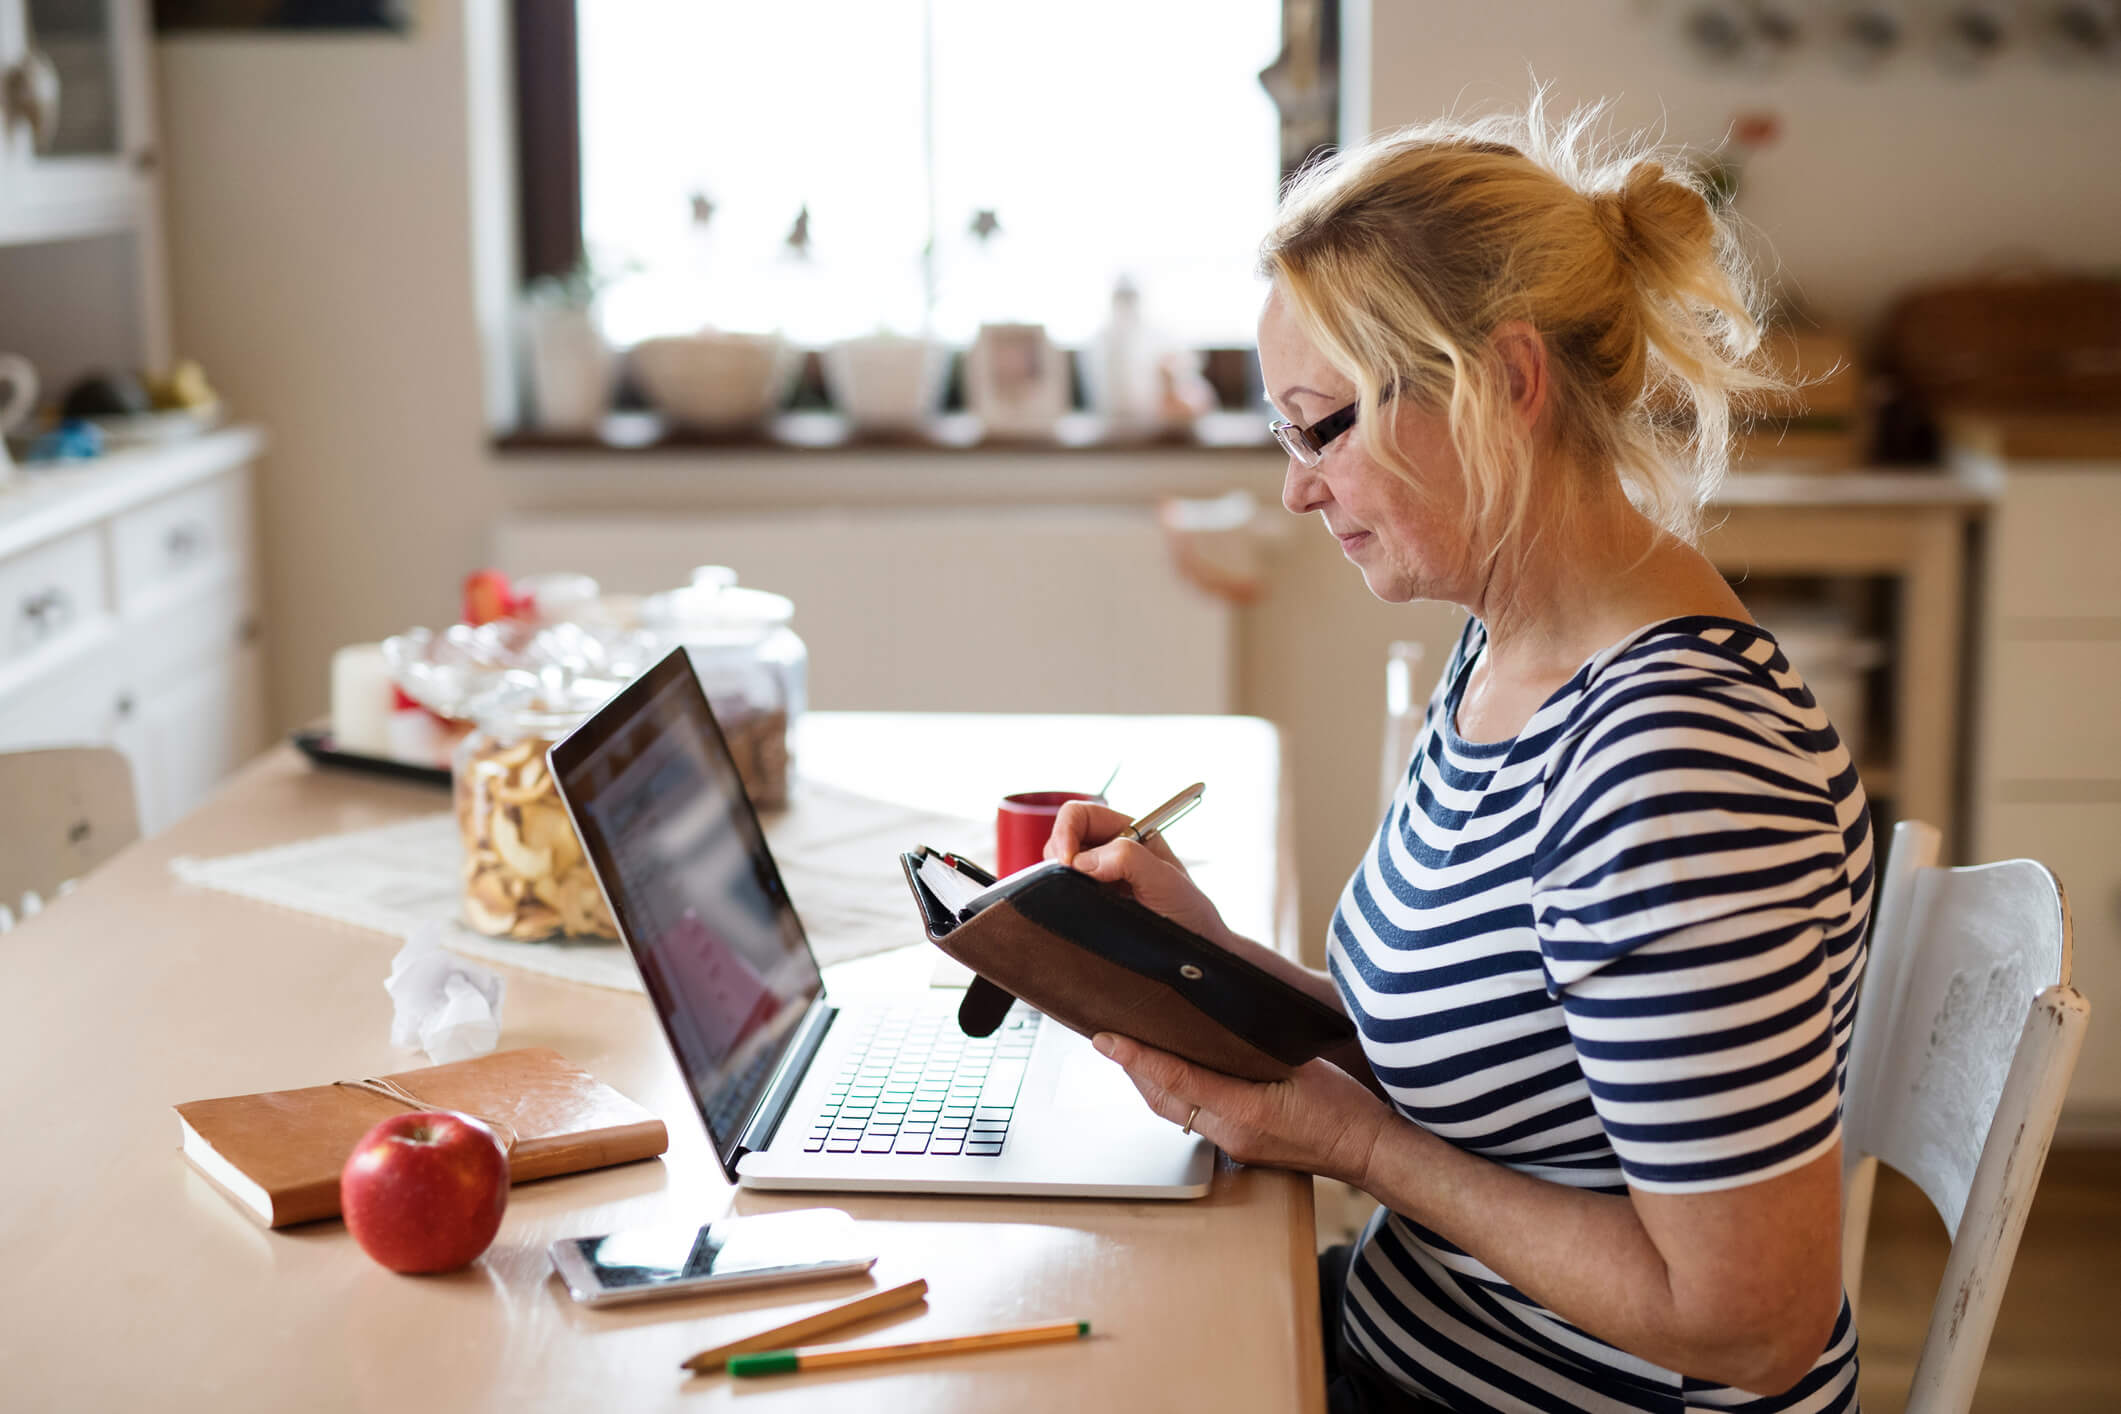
[1690,870]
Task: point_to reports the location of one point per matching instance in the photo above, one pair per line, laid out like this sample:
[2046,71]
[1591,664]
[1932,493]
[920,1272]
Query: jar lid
[519,709]
[468,673]
[712,605]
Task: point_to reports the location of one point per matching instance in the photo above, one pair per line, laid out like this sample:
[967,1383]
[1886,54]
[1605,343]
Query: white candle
[361,699]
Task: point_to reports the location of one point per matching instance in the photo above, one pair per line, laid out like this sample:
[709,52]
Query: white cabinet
[77,155]
[2047,767]
[161,657]
[194,730]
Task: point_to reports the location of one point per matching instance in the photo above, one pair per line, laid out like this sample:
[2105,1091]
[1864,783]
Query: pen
[776,1362]
[1165,815]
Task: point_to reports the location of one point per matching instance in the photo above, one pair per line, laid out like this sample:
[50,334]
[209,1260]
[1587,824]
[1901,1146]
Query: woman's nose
[1302,490]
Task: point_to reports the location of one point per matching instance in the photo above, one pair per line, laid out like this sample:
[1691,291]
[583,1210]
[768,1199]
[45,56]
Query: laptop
[883,1094]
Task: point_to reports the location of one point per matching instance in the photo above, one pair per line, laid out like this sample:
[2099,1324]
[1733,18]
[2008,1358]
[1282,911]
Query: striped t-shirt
[1619,949]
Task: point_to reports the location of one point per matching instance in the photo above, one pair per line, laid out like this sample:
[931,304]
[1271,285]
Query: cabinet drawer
[203,625]
[75,705]
[2054,545]
[196,534]
[2053,712]
[2077,842]
[51,593]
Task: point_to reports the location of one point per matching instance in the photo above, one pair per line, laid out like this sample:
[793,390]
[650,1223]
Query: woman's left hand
[1320,1120]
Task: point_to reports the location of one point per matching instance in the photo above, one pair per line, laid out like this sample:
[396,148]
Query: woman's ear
[1523,355]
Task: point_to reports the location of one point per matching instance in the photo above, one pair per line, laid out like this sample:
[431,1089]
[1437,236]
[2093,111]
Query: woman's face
[1408,543]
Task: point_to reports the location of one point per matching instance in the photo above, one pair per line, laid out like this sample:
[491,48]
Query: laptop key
[998,1112]
[813,1145]
[840,1146]
[980,1150]
[911,1144]
[1003,1082]
[940,1145]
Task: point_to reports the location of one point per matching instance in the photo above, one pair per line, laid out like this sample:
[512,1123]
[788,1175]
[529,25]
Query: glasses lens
[1294,442]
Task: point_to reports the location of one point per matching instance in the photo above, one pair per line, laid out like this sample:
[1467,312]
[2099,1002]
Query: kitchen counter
[49,500]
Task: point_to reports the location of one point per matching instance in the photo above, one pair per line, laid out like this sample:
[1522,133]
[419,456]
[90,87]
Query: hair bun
[1655,223]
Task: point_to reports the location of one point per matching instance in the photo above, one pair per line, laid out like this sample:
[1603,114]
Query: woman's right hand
[1086,837]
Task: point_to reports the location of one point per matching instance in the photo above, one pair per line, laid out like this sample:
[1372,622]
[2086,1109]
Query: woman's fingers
[1080,825]
[1084,824]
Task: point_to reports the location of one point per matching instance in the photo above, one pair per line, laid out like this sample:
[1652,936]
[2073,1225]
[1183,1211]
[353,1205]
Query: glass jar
[525,876]
[753,667]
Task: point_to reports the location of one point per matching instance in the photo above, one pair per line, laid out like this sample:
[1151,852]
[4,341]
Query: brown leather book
[278,1154]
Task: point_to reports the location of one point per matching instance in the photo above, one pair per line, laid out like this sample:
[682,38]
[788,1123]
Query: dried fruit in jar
[758,744]
[524,873]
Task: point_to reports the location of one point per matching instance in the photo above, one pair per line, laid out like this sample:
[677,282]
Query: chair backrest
[62,812]
[1406,702]
[1966,1034]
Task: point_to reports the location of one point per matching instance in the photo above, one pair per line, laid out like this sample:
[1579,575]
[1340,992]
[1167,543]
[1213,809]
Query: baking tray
[317,745]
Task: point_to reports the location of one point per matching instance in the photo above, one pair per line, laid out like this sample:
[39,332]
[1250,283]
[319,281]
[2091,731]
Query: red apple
[424,1192]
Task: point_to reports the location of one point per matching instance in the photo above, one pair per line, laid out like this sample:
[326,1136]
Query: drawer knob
[185,541]
[32,97]
[126,705]
[47,611]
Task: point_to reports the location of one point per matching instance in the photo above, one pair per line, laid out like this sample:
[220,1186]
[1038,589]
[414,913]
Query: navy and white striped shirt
[1620,949]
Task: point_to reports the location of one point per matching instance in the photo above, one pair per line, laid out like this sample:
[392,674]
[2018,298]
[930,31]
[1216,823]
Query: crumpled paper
[446,1005]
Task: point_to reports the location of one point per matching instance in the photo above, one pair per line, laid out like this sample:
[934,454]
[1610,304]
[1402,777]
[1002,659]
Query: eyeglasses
[1308,444]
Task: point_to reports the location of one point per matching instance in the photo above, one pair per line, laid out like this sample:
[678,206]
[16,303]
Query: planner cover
[278,1154]
[1093,959]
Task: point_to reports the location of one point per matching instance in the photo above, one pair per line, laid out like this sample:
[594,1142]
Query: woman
[1604,951]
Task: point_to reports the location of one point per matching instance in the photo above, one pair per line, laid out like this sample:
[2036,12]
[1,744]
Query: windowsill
[633,433]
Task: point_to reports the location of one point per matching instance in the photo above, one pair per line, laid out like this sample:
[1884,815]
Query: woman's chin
[1391,584]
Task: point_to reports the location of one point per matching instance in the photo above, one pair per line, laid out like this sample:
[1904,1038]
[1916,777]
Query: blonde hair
[1402,256]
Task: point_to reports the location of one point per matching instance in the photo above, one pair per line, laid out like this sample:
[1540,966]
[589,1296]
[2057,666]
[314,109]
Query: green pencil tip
[1082,1328]
[766,1362]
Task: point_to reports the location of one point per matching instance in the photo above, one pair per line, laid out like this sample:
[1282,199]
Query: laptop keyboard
[913,1083]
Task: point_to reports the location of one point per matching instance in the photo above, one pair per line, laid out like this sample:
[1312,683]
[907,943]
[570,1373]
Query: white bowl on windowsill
[886,382]
[714,380]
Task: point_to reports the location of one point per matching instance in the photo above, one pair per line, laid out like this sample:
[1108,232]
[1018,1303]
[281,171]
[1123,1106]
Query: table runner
[837,853]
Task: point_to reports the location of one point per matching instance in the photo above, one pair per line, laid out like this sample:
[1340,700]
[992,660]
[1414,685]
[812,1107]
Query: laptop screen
[677,846]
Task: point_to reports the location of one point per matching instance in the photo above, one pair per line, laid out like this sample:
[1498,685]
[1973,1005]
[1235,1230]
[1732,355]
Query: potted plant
[571,365]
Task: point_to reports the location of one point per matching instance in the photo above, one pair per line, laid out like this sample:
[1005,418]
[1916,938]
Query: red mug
[1023,822]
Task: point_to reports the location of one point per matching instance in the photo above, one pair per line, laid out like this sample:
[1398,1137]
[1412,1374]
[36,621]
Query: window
[1108,138]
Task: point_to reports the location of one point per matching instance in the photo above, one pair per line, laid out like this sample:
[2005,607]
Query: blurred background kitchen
[934,316]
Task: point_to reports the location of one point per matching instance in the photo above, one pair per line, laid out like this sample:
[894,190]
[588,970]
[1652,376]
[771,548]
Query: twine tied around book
[392,1090]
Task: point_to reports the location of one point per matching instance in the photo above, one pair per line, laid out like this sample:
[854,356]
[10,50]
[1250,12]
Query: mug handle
[20,377]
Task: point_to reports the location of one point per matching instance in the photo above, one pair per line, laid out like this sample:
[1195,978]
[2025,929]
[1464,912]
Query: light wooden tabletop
[126,1279]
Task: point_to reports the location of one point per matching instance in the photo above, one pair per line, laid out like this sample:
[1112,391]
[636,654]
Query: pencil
[831,1318]
[776,1362]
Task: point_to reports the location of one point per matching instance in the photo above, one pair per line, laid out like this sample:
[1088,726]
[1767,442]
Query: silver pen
[1165,815]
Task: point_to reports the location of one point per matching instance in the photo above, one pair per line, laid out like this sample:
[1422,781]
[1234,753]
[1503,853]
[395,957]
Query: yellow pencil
[776,1362]
[832,1318]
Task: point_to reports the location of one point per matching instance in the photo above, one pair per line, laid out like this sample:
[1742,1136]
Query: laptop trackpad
[1087,1081]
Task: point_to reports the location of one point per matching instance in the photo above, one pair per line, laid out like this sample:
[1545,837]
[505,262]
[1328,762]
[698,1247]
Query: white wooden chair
[1406,701]
[1966,1035]
[62,812]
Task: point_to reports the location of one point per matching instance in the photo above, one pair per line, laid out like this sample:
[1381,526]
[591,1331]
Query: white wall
[1877,182]
[321,237]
